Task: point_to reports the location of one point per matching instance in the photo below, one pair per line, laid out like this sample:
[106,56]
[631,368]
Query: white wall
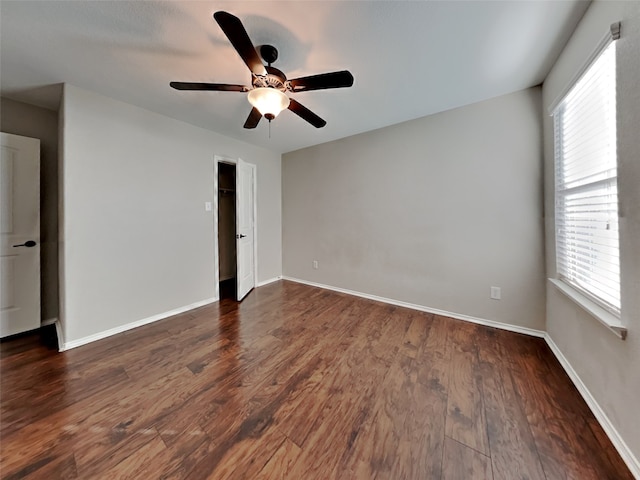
[431,212]
[31,121]
[609,367]
[136,240]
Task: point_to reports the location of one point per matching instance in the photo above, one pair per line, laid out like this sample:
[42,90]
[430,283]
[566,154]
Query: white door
[20,234]
[245,228]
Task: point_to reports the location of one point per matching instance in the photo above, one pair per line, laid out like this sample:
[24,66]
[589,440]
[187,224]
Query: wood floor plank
[120,456]
[332,435]
[416,333]
[420,454]
[49,466]
[115,346]
[420,448]
[144,462]
[347,405]
[567,446]
[512,447]
[432,359]
[266,378]
[245,458]
[169,357]
[114,424]
[388,341]
[60,391]
[58,432]
[328,383]
[279,465]
[375,449]
[297,417]
[603,453]
[297,382]
[466,419]
[462,462]
[187,451]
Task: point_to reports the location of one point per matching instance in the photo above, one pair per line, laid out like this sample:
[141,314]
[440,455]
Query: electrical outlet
[496,293]
[315,264]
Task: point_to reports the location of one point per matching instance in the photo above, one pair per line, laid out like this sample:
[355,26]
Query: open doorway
[235,216]
[227,230]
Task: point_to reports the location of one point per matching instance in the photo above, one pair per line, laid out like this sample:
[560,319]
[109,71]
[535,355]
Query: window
[586,216]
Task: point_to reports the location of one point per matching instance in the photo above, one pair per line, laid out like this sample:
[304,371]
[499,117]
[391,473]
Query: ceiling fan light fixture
[269,101]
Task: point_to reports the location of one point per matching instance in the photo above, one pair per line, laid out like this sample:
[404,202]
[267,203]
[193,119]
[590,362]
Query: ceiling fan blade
[306,114]
[253,118]
[324,80]
[237,35]
[221,87]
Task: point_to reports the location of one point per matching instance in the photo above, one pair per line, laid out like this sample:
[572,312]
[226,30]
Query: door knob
[240,236]
[28,244]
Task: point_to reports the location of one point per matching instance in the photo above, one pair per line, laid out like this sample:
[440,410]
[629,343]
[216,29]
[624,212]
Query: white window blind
[586,217]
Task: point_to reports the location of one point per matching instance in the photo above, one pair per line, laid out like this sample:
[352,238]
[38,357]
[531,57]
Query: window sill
[607,319]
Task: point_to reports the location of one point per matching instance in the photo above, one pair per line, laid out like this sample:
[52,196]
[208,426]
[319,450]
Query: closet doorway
[235,216]
[227,230]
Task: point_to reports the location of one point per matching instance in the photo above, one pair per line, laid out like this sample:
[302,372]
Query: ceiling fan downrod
[269,53]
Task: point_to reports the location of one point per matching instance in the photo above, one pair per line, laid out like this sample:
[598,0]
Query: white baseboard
[48,321]
[618,442]
[60,335]
[123,328]
[267,282]
[458,316]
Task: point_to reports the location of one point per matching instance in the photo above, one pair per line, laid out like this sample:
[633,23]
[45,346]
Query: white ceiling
[409,58]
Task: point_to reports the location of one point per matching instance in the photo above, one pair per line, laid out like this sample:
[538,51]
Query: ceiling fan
[269,86]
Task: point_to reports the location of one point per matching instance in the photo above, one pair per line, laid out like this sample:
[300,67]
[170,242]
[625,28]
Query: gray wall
[30,121]
[136,240]
[609,367]
[432,212]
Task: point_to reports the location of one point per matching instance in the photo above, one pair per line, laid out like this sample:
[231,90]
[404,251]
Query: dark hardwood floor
[300,383]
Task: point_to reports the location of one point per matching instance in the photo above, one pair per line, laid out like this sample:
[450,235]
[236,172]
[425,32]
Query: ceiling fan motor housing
[273,79]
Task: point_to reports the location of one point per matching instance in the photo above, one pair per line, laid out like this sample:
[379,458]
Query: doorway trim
[216,250]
